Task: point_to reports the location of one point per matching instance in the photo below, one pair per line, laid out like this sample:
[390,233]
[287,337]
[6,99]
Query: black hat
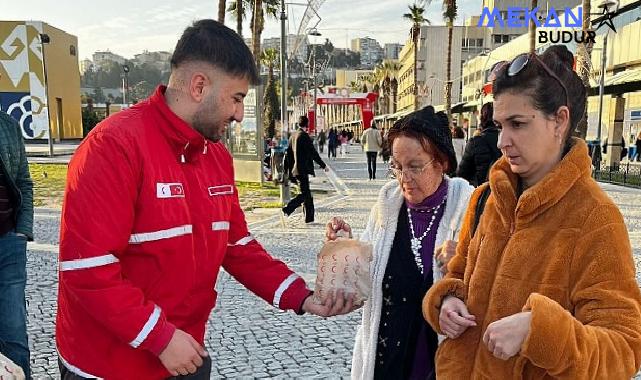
[435,126]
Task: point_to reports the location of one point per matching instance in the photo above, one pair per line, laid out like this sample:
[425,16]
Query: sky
[128,27]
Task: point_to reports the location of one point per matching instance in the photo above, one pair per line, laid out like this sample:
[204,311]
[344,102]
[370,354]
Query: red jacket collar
[186,139]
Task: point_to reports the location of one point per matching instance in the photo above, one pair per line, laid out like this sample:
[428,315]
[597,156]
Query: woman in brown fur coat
[545,287]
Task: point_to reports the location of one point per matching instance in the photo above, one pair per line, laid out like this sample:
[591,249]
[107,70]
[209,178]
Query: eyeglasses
[520,62]
[409,172]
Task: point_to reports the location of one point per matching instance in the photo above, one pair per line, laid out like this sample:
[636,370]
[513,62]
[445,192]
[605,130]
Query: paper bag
[344,264]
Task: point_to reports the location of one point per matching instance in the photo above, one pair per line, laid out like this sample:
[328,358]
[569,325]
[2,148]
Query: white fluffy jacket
[380,232]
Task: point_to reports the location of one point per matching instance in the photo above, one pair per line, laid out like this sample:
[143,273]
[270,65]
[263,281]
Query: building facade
[102,59]
[158,59]
[370,50]
[40,79]
[392,51]
[467,42]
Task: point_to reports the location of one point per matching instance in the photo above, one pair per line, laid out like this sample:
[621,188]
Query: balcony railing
[625,174]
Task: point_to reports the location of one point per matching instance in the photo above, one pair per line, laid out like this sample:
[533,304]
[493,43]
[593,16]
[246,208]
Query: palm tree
[271,110]
[535,4]
[222,4]
[449,14]
[257,23]
[584,67]
[418,19]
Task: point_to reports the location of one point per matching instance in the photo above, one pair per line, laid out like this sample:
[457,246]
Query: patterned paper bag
[344,264]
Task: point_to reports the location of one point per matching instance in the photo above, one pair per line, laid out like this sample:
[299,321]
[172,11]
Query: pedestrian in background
[300,159]
[544,286]
[16,227]
[413,228]
[332,143]
[150,217]
[372,142]
[458,141]
[343,140]
[322,139]
[638,144]
[481,151]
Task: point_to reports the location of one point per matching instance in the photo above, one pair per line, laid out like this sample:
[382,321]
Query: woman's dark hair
[431,130]
[546,92]
[458,133]
[212,42]
[487,116]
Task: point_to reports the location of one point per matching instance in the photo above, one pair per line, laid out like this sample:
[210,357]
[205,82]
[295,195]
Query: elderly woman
[544,287]
[415,214]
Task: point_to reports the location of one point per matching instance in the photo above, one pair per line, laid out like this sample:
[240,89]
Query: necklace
[417,242]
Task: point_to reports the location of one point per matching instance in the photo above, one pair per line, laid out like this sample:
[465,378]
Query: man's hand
[183,355]
[334,304]
[454,318]
[336,225]
[504,337]
[444,254]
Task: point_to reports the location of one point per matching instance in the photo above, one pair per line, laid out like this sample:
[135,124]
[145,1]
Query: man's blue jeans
[13,311]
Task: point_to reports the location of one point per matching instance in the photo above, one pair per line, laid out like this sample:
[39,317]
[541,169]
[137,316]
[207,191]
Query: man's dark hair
[303,121]
[212,42]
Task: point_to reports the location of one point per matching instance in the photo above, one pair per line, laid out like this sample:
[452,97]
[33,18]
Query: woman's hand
[444,254]
[504,337]
[336,225]
[454,318]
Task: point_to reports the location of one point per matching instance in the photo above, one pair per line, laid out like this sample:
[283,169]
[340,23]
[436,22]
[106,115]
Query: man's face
[221,105]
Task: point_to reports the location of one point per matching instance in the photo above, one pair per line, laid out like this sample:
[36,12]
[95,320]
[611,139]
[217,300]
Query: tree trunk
[533,28]
[257,30]
[222,5]
[239,17]
[448,83]
[584,68]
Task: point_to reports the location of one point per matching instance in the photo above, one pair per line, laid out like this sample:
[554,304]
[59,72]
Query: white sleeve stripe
[159,235]
[283,287]
[146,329]
[90,262]
[75,370]
[220,226]
[244,241]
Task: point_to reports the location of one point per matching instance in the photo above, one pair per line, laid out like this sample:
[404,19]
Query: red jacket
[150,215]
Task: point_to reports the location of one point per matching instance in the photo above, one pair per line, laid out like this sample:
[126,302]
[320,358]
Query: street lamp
[608,6]
[45,40]
[125,83]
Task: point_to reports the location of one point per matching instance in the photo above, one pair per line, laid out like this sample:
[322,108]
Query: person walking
[638,145]
[372,142]
[151,215]
[322,139]
[16,228]
[458,140]
[332,143]
[412,228]
[543,284]
[481,151]
[300,159]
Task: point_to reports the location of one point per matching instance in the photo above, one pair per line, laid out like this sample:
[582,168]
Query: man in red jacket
[150,215]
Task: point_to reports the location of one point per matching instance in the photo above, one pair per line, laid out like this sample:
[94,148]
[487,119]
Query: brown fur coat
[561,250]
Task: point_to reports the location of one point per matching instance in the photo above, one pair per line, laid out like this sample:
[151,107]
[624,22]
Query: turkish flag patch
[170,190]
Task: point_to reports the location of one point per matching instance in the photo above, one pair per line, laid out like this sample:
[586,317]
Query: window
[506,38]
[497,38]
[72,50]
[479,42]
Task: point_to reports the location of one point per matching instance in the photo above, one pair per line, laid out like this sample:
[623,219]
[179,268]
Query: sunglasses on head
[519,63]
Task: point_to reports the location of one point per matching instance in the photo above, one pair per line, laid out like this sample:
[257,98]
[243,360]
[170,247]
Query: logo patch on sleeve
[221,190]
[170,190]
